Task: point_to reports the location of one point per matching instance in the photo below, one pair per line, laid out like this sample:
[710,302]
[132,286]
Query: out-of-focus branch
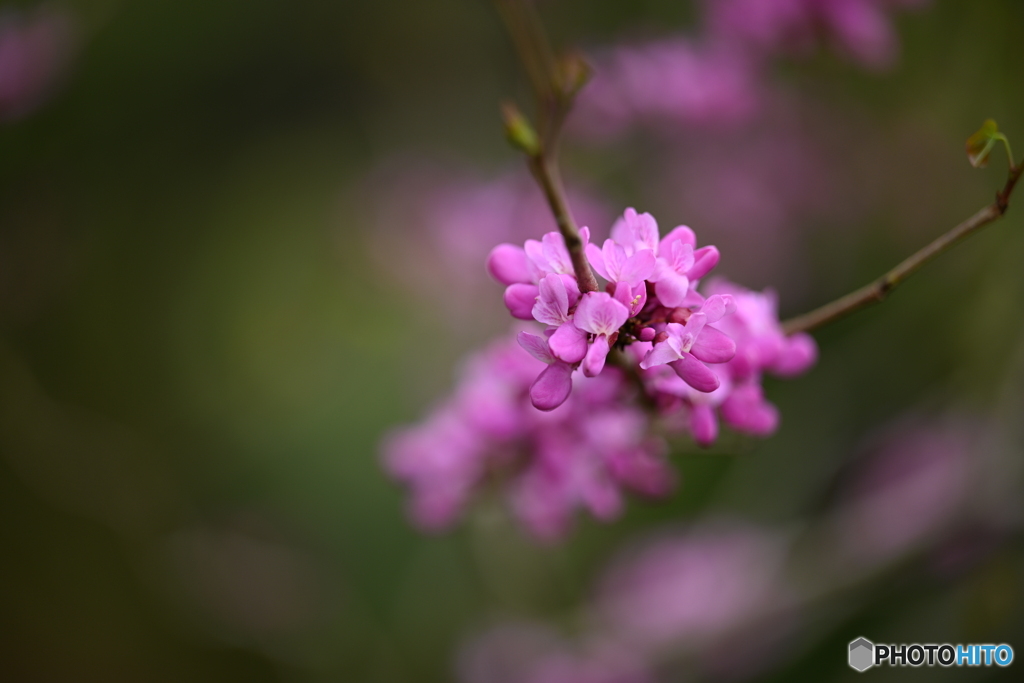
[555,82]
[878,290]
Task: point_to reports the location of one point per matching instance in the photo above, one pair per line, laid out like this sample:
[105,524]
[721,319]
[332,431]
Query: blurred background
[240,241]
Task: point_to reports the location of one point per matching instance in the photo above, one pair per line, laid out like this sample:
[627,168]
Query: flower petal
[634,298]
[687,335]
[798,354]
[638,267]
[536,260]
[622,229]
[695,373]
[569,343]
[596,259]
[601,497]
[572,288]
[508,265]
[536,346]
[643,471]
[593,363]
[662,353]
[704,259]
[614,258]
[718,306]
[552,307]
[645,232]
[713,346]
[679,235]
[599,313]
[520,298]
[672,288]
[556,253]
[682,257]
[703,425]
[747,411]
[552,386]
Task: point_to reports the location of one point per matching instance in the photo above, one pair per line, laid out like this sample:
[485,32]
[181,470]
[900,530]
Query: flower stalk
[877,291]
[555,83]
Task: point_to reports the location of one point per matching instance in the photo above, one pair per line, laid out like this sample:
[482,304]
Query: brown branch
[546,173]
[878,290]
[554,86]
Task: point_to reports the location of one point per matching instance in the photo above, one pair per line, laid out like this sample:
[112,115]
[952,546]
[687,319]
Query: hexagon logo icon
[862,654]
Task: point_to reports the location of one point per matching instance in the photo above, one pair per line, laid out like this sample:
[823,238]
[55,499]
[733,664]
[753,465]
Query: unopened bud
[646,334]
[679,315]
[574,73]
[519,131]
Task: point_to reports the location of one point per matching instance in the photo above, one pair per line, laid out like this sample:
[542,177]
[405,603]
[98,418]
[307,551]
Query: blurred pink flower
[911,487]
[747,342]
[683,592]
[580,455]
[430,226]
[35,48]
[668,82]
[862,29]
[717,78]
[519,652]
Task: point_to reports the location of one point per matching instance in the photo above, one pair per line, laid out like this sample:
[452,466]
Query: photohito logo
[863,654]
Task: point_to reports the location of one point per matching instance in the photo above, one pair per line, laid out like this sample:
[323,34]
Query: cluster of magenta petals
[650,295]
[582,456]
[554,412]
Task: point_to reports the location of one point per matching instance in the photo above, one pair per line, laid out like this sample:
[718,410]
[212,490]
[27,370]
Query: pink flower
[34,52]
[670,81]
[861,28]
[519,652]
[602,316]
[431,225]
[761,343]
[554,383]
[907,491]
[718,346]
[706,344]
[761,346]
[746,341]
[582,330]
[583,454]
[694,410]
[636,253]
[522,269]
[685,591]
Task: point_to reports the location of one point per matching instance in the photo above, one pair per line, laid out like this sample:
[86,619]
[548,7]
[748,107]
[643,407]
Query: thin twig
[554,100]
[879,289]
[546,173]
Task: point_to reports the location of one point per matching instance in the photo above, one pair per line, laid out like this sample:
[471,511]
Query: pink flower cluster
[669,81]
[550,463]
[761,346]
[729,600]
[862,29]
[649,298]
[558,426]
[34,51]
[716,78]
[696,354]
[458,213]
[528,652]
[704,593]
